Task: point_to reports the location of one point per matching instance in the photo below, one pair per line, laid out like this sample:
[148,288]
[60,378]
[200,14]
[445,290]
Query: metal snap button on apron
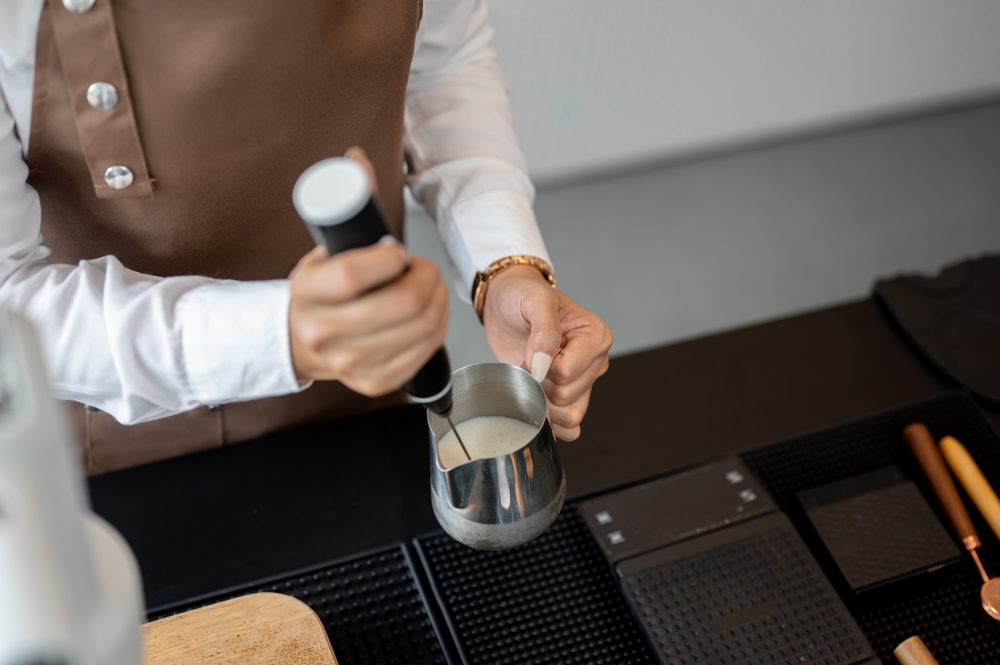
[78,6]
[102,96]
[118,176]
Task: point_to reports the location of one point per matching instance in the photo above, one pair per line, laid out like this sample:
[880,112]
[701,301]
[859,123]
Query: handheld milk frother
[334,198]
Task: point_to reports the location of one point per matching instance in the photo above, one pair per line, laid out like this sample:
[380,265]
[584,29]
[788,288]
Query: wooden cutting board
[259,629]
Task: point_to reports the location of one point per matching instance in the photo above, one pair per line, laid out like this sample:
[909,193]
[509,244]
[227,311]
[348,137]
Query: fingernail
[540,363]
[355,150]
[391,241]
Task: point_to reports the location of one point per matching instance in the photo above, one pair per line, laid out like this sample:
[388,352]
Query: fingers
[375,370]
[526,321]
[368,348]
[384,316]
[565,420]
[307,262]
[375,341]
[546,333]
[566,434]
[393,304]
[561,395]
[348,274]
[582,361]
[388,375]
[539,366]
[588,341]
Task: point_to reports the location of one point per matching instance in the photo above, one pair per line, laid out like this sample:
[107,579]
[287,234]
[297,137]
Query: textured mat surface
[749,594]
[553,600]
[941,607]
[556,600]
[879,528]
[371,605]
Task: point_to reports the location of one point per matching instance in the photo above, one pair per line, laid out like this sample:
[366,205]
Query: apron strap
[92,65]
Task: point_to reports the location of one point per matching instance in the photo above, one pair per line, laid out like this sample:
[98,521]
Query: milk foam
[484,437]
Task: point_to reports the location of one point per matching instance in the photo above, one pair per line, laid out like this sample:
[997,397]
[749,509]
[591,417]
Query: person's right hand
[365,320]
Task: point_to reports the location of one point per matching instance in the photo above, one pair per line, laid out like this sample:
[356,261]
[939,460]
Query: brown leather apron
[221,105]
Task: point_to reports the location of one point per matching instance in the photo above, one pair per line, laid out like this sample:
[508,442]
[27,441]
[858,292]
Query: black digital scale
[717,574]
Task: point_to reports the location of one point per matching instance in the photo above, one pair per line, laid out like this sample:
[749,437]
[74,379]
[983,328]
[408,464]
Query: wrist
[518,272]
[506,268]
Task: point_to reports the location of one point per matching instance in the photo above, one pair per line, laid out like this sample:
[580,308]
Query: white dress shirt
[141,347]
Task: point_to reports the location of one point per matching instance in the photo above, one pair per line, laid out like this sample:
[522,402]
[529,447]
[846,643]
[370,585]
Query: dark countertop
[225,517]
[685,402]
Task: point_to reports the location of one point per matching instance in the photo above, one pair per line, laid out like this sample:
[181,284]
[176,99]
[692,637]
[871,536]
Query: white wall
[600,84]
[711,244]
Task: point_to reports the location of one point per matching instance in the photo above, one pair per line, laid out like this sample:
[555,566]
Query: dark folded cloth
[953,319]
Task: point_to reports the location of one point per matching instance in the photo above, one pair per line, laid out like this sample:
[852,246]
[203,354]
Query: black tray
[553,600]
[556,600]
[372,605]
[941,607]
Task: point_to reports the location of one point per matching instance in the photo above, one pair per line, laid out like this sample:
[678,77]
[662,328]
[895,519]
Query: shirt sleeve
[136,346]
[466,166]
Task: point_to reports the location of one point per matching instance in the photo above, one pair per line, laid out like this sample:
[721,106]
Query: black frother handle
[431,386]
[364,229]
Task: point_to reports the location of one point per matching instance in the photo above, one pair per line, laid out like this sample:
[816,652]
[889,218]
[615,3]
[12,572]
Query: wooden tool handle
[921,444]
[913,651]
[973,480]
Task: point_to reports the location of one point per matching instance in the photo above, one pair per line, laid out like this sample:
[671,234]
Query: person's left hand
[523,316]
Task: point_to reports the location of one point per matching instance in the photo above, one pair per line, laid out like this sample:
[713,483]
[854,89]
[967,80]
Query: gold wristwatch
[483,279]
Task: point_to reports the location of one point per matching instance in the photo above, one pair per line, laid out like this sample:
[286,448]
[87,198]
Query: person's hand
[524,316]
[363,319]
[368,317]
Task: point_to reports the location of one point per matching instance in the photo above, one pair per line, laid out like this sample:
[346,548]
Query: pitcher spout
[461,483]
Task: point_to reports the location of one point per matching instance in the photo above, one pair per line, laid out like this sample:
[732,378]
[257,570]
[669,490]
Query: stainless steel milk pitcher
[498,502]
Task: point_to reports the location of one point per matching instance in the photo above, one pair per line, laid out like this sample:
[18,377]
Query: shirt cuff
[235,341]
[489,227]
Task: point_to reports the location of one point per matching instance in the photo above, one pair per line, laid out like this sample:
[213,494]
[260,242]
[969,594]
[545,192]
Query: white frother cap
[331,191]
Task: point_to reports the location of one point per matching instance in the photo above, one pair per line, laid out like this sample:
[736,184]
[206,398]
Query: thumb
[544,340]
[358,154]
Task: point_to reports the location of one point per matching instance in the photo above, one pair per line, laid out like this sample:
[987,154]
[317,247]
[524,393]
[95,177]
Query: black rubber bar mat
[941,607]
[372,606]
[749,593]
[553,600]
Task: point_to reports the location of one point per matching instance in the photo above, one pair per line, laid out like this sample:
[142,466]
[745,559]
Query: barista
[147,156]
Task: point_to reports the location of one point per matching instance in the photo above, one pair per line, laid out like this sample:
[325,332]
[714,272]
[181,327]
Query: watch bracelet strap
[481,283]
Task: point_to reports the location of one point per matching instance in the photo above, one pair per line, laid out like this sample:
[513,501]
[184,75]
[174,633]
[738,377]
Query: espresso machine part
[500,502]
[334,198]
[70,588]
